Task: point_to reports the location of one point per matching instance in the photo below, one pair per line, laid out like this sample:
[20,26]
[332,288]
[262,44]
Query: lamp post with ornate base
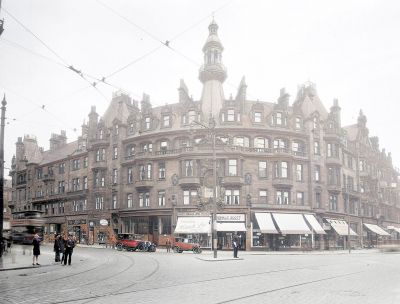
[214,203]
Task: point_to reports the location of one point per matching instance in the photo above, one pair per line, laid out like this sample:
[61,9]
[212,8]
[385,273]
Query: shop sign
[103,222]
[227,217]
[76,222]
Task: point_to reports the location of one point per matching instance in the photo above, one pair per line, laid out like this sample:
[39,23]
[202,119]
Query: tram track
[59,278]
[123,290]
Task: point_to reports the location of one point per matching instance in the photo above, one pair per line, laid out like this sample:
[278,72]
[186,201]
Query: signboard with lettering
[231,217]
[103,222]
[76,222]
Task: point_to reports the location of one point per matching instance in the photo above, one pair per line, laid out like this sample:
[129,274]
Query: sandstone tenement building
[288,175]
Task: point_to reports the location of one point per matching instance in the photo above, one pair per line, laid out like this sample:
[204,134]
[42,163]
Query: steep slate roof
[309,106]
[117,109]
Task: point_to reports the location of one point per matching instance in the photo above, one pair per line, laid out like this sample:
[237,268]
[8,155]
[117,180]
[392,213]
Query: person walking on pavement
[57,247]
[235,246]
[168,245]
[69,248]
[61,243]
[36,249]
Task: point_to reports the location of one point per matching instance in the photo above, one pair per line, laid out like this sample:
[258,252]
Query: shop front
[230,226]
[149,228]
[375,235]
[100,231]
[79,229]
[195,228]
[285,231]
[337,233]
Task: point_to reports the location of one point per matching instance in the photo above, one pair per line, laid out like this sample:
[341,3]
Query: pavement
[20,256]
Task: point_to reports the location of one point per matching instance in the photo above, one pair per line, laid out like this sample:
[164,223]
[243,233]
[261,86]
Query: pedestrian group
[65,246]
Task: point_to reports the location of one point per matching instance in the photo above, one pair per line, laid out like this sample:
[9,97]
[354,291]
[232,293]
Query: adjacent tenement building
[288,175]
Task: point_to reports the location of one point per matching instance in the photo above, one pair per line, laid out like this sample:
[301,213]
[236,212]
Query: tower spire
[212,73]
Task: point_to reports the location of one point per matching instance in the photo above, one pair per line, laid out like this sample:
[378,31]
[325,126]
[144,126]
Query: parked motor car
[146,246]
[186,244]
[127,242]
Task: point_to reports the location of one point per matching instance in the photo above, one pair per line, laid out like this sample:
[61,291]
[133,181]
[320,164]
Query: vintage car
[127,242]
[185,244]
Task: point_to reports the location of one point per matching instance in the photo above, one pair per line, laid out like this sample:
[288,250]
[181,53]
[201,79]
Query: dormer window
[279,119]
[298,123]
[116,130]
[147,123]
[257,117]
[191,116]
[101,134]
[315,123]
[230,115]
[166,121]
[131,128]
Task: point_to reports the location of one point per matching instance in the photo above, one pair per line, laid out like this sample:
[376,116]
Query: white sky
[350,49]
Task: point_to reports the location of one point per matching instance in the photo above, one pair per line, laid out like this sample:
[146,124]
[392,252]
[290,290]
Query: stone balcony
[282,182]
[232,180]
[189,181]
[145,183]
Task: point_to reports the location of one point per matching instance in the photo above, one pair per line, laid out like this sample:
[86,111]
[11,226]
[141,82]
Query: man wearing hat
[69,248]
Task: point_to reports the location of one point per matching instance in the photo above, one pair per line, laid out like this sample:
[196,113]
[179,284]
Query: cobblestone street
[109,276]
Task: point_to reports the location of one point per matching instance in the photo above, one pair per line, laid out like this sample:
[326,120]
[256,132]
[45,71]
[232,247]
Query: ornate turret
[212,73]
[362,119]
[335,113]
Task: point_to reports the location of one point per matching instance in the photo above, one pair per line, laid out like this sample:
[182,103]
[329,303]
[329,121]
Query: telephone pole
[1,23]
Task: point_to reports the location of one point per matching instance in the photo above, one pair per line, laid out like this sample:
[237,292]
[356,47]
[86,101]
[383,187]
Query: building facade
[287,176]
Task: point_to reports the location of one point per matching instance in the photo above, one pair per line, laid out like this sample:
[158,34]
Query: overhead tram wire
[166,43]
[70,67]
[162,43]
[51,60]
[18,46]
[39,107]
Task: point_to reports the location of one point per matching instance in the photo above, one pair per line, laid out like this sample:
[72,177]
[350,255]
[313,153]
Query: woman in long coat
[36,249]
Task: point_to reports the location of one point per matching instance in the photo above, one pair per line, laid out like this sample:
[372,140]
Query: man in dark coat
[36,249]
[69,248]
[57,247]
[235,245]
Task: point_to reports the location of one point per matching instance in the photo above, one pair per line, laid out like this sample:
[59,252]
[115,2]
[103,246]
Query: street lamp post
[212,133]
[348,218]
[2,126]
